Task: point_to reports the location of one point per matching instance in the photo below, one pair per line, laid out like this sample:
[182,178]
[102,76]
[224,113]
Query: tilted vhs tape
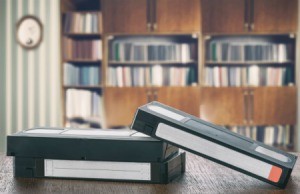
[88,144]
[150,172]
[215,143]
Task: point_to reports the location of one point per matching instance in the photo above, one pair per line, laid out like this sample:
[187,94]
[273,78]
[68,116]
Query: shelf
[81,11]
[247,62]
[154,86]
[291,34]
[82,61]
[82,35]
[152,63]
[82,87]
[251,87]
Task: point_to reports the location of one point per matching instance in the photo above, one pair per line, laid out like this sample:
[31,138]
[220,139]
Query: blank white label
[100,132]
[97,169]
[219,152]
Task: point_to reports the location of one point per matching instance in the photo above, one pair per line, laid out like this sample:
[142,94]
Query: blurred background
[91,63]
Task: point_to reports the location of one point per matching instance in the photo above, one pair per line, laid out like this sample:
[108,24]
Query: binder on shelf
[215,143]
[149,172]
[88,144]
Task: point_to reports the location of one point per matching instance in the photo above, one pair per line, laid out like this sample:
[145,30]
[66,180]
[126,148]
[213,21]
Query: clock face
[29,32]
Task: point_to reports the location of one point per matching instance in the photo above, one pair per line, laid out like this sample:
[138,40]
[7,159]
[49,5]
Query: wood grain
[178,16]
[275,15]
[121,16]
[222,106]
[201,176]
[121,103]
[223,16]
[274,105]
[186,99]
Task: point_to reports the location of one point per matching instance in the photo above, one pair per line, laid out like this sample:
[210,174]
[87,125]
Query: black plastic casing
[161,172]
[94,148]
[147,121]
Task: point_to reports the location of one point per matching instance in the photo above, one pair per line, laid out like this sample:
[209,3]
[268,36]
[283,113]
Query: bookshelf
[150,67]
[250,89]
[251,79]
[82,63]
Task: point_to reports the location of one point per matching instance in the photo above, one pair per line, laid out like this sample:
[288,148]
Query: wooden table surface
[201,176]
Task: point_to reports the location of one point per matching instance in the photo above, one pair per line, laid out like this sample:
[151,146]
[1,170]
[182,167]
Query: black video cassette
[150,172]
[216,143]
[88,144]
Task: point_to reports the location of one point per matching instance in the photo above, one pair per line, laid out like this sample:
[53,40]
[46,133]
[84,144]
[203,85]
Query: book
[78,75]
[225,50]
[83,105]
[156,75]
[151,51]
[248,76]
[85,23]
[82,49]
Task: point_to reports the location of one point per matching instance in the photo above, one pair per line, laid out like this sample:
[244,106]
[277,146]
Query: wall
[29,79]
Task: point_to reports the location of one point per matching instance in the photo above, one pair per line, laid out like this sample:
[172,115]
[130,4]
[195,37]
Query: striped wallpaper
[29,79]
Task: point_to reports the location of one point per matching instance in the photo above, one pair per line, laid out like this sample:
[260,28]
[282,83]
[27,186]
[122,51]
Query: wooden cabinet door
[223,16]
[273,105]
[121,103]
[177,15]
[125,16]
[186,99]
[275,15]
[223,106]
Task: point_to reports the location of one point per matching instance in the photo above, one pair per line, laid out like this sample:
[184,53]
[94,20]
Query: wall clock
[29,32]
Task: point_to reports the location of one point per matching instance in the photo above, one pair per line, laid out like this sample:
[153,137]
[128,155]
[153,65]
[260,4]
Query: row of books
[174,52]
[76,22]
[270,52]
[220,76]
[82,49]
[151,76]
[271,135]
[87,75]
[83,104]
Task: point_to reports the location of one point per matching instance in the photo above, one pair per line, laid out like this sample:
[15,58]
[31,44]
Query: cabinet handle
[154,26]
[148,27]
[251,96]
[246,24]
[148,15]
[251,15]
[252,26]
[245,107]
[246,27]
[154,16]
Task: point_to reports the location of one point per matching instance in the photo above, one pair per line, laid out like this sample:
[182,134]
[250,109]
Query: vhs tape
[151,172]
[88,144]
[215,143]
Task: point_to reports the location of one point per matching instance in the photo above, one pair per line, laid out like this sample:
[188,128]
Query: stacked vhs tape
[215,143]
[123,155]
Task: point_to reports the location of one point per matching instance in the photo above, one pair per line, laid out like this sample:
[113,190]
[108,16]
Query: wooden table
[201,176]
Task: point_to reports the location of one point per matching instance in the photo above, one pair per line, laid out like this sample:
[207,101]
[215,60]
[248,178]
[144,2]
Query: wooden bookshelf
[82,35]
[204,21]
[82,87]
[249,63]
[152,63]
[81,61]
[247,105]
[84,31]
